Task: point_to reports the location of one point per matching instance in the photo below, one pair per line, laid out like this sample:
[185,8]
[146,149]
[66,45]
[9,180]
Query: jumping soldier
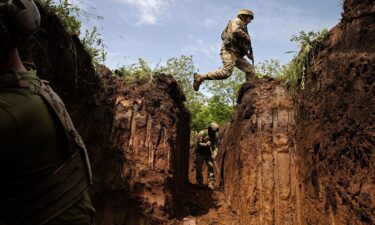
[206,151]
[235,45]
[44,166]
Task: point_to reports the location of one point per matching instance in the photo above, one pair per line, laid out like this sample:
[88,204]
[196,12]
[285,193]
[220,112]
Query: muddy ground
[306,161]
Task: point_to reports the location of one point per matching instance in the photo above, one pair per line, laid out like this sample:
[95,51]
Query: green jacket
[32,146]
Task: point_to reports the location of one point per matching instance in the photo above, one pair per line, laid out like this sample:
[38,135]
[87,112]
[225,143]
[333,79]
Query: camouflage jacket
[206,145]
[234,37]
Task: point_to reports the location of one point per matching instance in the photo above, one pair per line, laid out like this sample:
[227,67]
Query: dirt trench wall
[259,163]
[336,124]
[137,135]
[144,164]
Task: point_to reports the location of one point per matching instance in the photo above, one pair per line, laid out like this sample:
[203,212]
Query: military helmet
[23,15]
[213,127]
[246,12]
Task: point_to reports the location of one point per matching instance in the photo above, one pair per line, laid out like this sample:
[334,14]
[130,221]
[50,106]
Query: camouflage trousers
[231,60]
[200,159]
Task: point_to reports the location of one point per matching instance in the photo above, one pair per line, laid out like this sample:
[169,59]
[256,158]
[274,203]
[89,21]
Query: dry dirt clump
[137,135]
[336,124]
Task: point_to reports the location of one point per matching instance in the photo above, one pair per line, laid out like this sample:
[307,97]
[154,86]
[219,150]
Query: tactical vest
[65,186]
[239,45]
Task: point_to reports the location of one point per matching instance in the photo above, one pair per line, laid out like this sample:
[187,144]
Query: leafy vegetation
[227,89]
[216,107]
[294,73]
[137,71]
[69,15]
[182,69]
[94,45]
[269,68]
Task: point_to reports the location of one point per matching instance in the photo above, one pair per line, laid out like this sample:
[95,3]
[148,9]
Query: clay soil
[336,124]
[259,157]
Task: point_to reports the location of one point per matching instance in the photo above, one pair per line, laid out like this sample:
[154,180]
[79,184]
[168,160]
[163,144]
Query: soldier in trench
[44,167]
[235,45]
[206,151]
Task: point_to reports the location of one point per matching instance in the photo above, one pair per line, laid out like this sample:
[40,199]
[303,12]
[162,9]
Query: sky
[157,30]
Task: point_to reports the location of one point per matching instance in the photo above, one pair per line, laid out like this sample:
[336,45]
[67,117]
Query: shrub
[295,72]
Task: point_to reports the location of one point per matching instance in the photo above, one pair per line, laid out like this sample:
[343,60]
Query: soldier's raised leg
[246,67]
[229,61]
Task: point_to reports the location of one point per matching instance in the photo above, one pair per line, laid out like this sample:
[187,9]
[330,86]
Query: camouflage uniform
[204,154]
[233,49]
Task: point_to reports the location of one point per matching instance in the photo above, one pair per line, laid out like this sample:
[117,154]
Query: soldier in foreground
[235,45]
[206,151]
[44,167]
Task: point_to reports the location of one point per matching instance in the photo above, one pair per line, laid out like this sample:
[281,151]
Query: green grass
[137,71]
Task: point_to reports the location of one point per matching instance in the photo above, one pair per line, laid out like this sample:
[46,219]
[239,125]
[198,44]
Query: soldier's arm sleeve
[202,143]
[202,140]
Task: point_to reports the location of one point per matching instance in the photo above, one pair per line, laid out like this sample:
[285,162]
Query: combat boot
[198,79]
